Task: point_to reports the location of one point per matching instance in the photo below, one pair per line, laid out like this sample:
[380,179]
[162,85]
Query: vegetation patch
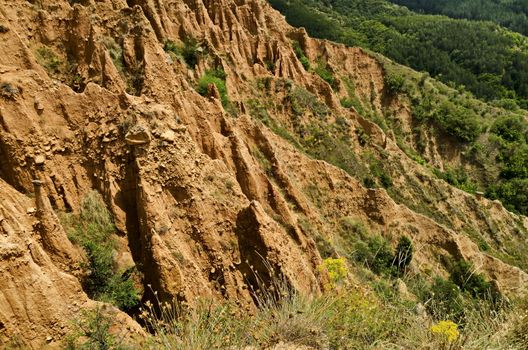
[92,229]
[132,72]
[395,83]
[48,59]
[325,73]
[190,51]
[301,55]
[302,101]
[377,255]
[116,53]
[464,275]
[348,318]
[458,178]
[92,331]
[216,77]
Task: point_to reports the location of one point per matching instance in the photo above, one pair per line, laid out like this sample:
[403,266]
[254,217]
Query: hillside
[472,57]
[509,14]
[208,153]
[483,57]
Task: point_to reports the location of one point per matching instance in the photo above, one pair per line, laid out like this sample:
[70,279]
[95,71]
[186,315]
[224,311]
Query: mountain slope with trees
[507,13]
[486,59]
[477,59]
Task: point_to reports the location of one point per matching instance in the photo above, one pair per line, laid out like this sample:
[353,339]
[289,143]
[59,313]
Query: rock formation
[201,192]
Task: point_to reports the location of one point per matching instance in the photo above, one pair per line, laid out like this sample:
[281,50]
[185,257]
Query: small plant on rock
[48,59]
[92,331]
[216,77]
[9,91]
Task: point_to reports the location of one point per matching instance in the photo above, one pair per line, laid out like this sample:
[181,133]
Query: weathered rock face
[201,196]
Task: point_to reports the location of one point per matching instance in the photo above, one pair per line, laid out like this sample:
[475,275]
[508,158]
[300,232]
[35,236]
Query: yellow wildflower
[447,329]
[336,269]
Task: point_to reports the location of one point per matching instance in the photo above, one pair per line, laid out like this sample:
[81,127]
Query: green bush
[445,300]
[515,161]
[378,256]
[190,51]
[404,253]
[300,55]
[270,66]
[458,178]
[93,230]
[394,83]
[100,266]
[513,193]
[305,62]
[458,297]
[369,182]
[458,121]
[463,274]
[216,77]
[347,102]
[92,332]
[324,73]
[511,129]
[377,170]
[120,291]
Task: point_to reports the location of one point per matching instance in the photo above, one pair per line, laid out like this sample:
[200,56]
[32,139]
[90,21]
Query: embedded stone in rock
[213,92]
[37,182]
[40,159]
[169,136]
[38,105]
[137,135]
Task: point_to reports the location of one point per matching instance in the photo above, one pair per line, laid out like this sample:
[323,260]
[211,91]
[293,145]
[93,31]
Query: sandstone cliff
[201,192]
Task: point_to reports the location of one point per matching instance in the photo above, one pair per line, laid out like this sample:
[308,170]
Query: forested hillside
[508,13]
[486,59]
[478,59]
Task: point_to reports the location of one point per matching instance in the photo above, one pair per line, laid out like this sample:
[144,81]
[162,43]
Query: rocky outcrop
[204,197]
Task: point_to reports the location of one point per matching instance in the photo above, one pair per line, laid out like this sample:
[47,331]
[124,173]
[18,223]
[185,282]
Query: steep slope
[90,100]
[477,59]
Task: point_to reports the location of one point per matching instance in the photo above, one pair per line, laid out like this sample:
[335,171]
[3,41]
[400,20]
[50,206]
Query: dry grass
[369,315]
[345,318]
